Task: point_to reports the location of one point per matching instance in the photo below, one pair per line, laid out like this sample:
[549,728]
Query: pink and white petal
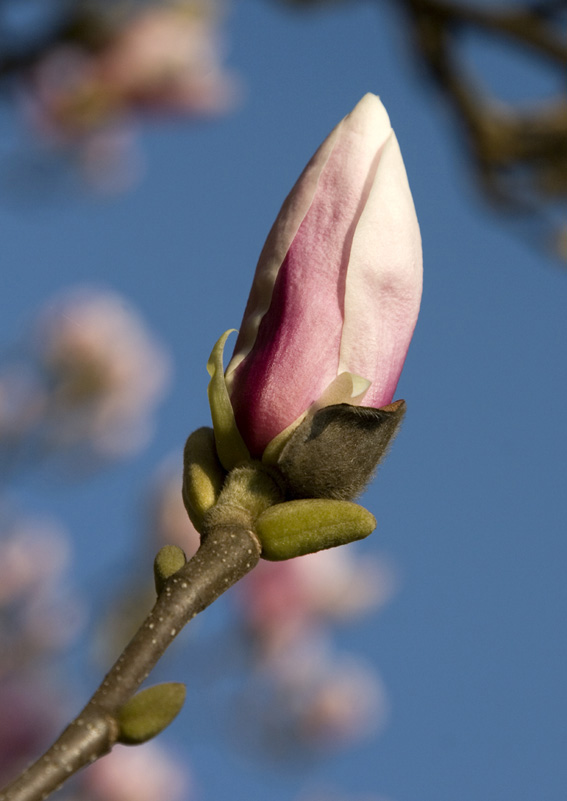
[273,253]
[366,127]
[384,281]
[295,354]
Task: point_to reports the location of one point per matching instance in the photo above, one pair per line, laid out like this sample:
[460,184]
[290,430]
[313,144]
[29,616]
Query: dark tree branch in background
[86,24]
[531,25]
[520,154]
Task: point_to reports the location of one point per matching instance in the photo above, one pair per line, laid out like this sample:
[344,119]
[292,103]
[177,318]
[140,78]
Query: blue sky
[471,501]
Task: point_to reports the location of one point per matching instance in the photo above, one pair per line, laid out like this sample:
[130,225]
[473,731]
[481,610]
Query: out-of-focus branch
[83,80]
[81,26]
[529,25]
[520,154]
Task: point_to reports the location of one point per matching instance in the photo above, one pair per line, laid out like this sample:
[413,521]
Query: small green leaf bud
[203,475]
[168,561]
[298,527]
[149,712]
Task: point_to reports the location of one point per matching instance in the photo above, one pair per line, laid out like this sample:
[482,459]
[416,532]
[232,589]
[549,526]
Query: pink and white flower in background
[343,705]
[314,699]
[337,289]
[39,616]
[169,58]
[105,371]
[162,59]
[40,612]
[281,601]
[30,716]
[144,773]
[33,555]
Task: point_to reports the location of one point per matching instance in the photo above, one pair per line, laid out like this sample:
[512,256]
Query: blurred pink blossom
[143,773]
[29,717]
[343,705]
[317,698]
[33,555]
[165,58]
[62,97]
[280,600]
[106,372]
[38,612]
[169,58]
[111,161]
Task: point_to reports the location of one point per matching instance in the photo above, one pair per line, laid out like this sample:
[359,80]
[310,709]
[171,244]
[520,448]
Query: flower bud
[337,289]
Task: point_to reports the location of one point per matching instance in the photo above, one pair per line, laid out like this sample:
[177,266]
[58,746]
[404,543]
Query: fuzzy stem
[226,554]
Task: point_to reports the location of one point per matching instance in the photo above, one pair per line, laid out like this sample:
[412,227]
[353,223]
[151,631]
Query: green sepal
[203,475]
[230,445]
[295,528]
[168,561]
[149,712]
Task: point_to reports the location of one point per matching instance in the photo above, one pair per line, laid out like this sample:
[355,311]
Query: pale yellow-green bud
[168,561]
[149,712]
[299,527]
[203,475]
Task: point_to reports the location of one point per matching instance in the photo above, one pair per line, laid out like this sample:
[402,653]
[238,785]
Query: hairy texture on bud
[334,453]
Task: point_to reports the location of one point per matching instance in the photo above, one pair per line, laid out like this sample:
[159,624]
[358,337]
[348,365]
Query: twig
[520,153]
[226,554]
[523,24]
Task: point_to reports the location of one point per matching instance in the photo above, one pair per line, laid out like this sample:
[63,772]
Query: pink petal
[384,281]
[295,354]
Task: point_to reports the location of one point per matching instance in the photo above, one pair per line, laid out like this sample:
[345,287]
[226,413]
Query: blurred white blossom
[105,372]
[143,773]
[310,698]
[280,600]
[330,699]
[344,704]
[29,716]
[38,613]
[33,555]
[160,59]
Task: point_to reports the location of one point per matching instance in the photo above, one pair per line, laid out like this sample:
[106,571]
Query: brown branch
[520,153]
[522,24]
[87,25]
[227,553]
